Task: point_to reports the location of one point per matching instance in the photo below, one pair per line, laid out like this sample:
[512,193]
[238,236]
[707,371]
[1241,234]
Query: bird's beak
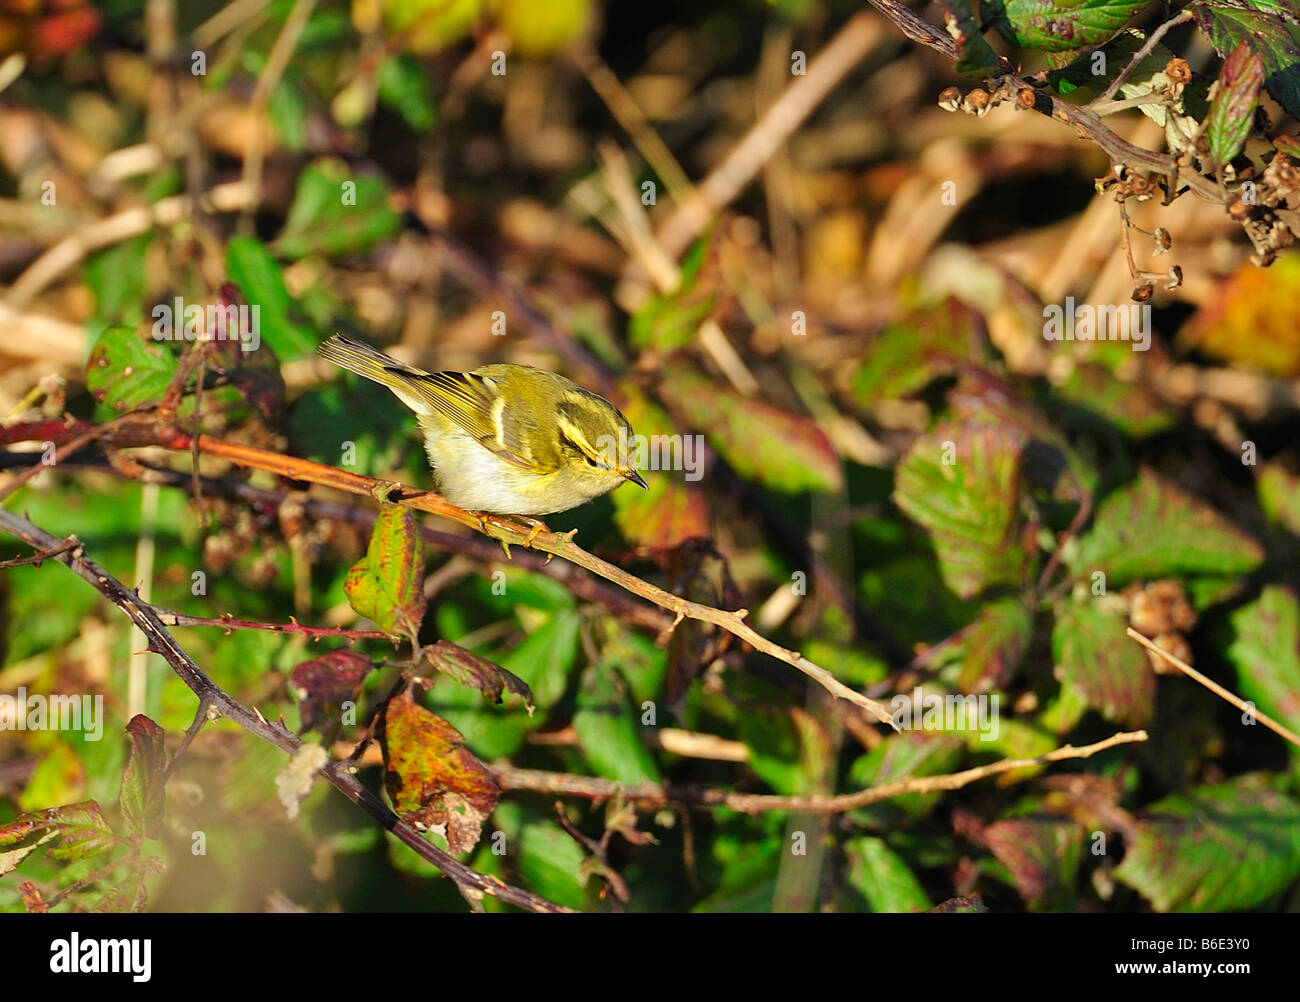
[634,477]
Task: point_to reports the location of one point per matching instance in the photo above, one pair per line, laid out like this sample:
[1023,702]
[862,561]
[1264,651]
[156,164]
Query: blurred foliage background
[832,332]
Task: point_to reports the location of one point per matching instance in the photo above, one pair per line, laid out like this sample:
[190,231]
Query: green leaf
[1266,652]
[336,211]
[609,732]
[1151,528]
[668,322]
[961,485]
[387,584]
[883,877]
[124,373]
[773,744]
[1094,655]
[1279,496]
[1232,109]
[116,276]
[1053,27]
[259,277]
[74,832]
[404,85]
[1270,28]
[904,756]
[144,789]
[1042,855]
[759,441]
[1220,848]
[431,777]
[551,862]
[59,778]
[476,672]
[542,661]
[975,57]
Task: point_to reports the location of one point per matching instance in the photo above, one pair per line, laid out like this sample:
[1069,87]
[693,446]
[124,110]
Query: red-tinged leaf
[1232,109]
[663,517]
[759,441]
[1042,855]
[1217,849]
[20,838]
[967,903]
[1151,528]
[62,31]
[144,793]
[323,684]
[77,831]
[387,584]
[1266,652]
[1270,28]
[672,510]
[252,367]
[32,898]
[432,778]
[477,672]
[83,832]
[961,485]
[993,645]
[1095,656]
[908,356]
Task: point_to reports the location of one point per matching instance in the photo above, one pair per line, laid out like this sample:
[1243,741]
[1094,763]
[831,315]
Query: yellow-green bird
[506,439]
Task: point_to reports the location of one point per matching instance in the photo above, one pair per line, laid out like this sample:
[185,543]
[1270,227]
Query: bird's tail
[366,361]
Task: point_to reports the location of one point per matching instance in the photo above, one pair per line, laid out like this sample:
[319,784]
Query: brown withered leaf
[324,683]
[431,777]
[469,669]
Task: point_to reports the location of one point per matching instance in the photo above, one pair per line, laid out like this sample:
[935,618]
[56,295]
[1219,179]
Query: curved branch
[659,794]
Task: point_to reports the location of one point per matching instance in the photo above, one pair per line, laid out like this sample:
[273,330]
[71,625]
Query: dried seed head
[1026,97]
[1140,185]
[978,99]
[1237,210]
[1178,71]
[950,99]
[1175,278]
[1143,293]
[1163,239]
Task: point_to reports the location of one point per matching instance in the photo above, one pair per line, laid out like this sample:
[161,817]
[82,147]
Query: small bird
[505,439]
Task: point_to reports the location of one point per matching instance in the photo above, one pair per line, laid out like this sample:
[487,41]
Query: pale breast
[472,477]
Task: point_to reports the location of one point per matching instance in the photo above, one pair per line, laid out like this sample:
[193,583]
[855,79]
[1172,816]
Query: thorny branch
[143,432]
[214,699]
